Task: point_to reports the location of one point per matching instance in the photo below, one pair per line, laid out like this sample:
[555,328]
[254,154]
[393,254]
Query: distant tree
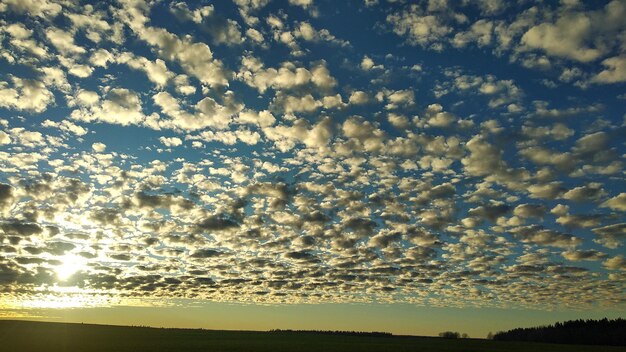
[449,335]
[490,336]
[581,332]
[464,336]
[335,332]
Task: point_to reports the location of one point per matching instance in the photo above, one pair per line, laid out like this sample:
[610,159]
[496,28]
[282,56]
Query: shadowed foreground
[27,336]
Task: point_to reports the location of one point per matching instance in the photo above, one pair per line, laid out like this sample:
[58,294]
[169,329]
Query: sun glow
[61,297]
[70,264]
[75,300]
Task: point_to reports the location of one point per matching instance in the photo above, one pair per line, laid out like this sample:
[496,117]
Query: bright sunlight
[70,264]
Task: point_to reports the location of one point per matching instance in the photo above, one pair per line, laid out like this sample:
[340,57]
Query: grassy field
[26,336]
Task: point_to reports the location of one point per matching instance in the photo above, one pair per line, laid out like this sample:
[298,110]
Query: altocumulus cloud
[250,151]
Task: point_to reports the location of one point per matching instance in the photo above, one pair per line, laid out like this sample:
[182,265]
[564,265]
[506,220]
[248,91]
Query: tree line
[336,332]
[580,332]
[453,335]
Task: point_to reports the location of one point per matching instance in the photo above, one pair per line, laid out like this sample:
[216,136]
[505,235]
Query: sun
[70,264]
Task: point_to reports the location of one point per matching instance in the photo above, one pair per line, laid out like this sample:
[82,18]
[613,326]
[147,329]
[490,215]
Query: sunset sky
[402,166]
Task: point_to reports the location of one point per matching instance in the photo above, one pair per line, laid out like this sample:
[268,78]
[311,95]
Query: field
[26,336]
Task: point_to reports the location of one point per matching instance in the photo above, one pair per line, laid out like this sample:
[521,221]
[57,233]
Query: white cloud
[156,70]
[580,36]
[63,41]
[25,94]
[480,32]
[208,113]
[359,98]
[66,126]
[194,57]
[616,203]
[367,63]
[98,147]
[262,118]
[38,8]
[398,121]
[286,137]
[255,35]
[291,104]
[4,138]
[171,141]
[87,98]
[302,3]
[436,117]
[288,76]
[615,263]
[614,72]
[421,29]
[120,106]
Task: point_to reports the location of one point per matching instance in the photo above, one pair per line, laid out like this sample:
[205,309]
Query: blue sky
[425,154]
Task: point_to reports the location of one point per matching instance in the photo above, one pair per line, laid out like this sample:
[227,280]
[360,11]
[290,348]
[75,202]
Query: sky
[402,166]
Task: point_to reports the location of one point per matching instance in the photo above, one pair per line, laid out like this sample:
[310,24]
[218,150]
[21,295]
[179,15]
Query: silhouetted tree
[580,332]
[449,335]
[336,332]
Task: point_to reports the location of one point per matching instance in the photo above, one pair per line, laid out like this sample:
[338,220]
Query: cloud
[157,71]
[536,235]
[490,211]
[63,42]
[262,118]
[359,98]
[214,224]
[580,36]
[615,263]
[480,32]
[6,196]
[25,94]
[367,63]
[206,253]
[171,141]
[486,160]
[567,37]
[614,72]
[583,255]
[36,8]
[616,203]
[591,143]
[288,76]
[302,3]
[611,236]
[420,28]
[120,106]
[436,117]
[20,228]
[587,193]
[222,30]
[255,35]
[530,210]
[66,126]
[98,147]
[235,153]
[29,139]
[285,137]
[208,112]
[307,32]
[550,190]
[194,57]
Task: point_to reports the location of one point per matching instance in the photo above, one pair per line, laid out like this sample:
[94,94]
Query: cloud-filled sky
[464,154]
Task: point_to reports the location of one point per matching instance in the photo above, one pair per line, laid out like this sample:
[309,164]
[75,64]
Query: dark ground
[26,336]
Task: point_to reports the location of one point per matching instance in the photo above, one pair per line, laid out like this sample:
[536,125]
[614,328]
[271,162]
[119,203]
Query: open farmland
[25,336]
